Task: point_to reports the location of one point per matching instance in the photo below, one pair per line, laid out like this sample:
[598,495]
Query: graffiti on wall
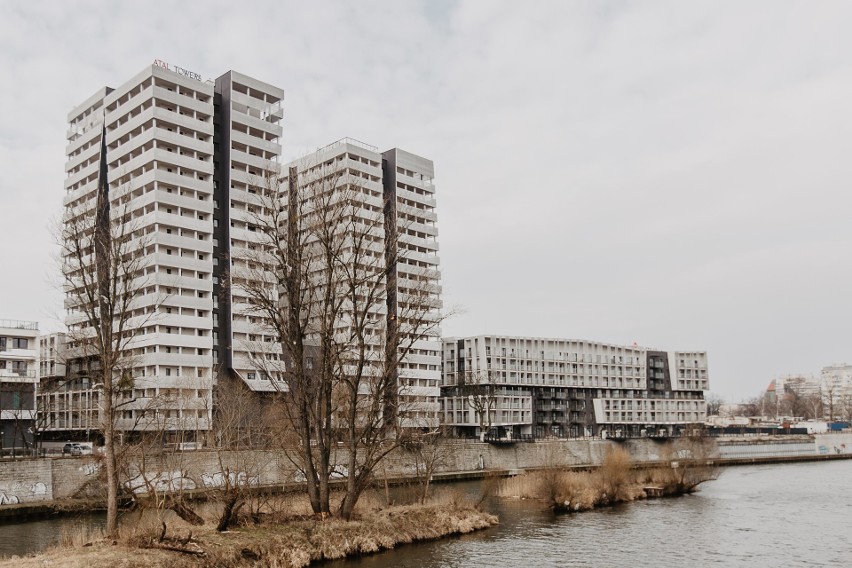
[235,479]
[173,481]
[162,481]
[90,468]
[16,492]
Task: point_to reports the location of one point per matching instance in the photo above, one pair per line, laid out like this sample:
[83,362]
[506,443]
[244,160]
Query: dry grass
[560,489]
[79,534]
[614,482]
[297,541]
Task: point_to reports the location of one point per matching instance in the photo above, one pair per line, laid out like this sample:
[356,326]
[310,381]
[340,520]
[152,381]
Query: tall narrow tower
[248,112]
[414,279]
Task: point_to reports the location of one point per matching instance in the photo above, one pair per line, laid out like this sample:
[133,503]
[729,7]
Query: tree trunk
[185,513]
[112,482]
[310,467]
[228,512]
[426,486]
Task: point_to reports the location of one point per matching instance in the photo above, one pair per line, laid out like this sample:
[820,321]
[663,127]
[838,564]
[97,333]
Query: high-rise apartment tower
[175,156]
[394,198]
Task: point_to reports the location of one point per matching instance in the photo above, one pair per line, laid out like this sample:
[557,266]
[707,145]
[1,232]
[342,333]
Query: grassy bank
[616,481]
[275,534]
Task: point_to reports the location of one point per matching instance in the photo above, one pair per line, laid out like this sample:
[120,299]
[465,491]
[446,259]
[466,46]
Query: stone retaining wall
[45,479]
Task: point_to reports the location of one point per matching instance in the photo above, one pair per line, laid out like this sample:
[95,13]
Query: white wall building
[248,116]
[177,154]
[836,383]
[18,380]
[542,387]
[396,198]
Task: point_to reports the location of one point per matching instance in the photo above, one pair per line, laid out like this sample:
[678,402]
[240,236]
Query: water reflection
[33,536]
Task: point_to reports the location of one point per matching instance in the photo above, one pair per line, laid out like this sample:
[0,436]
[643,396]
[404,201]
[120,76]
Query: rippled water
[769,515]
[33,536]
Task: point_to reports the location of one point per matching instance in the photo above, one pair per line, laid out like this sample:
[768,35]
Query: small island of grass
[269,533]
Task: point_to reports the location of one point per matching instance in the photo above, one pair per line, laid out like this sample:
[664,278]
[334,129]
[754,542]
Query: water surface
[784,515]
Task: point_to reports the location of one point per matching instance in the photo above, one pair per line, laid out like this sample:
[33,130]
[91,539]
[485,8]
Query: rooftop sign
[178,70]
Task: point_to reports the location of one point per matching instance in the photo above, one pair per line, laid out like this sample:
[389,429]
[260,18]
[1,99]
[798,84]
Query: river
[768,515]
[781,515]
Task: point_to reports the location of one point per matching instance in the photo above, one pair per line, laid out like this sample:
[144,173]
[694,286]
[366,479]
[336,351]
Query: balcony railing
[15,374]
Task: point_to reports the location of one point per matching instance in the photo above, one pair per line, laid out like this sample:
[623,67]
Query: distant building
[837,390]
[542,387]
[67,405]
[18,380]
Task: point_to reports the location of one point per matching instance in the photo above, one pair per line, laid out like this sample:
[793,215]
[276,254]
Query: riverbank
[45,510]
[273,540]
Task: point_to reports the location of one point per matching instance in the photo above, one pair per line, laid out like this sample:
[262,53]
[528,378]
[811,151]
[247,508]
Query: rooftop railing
[19,324]
[350,141]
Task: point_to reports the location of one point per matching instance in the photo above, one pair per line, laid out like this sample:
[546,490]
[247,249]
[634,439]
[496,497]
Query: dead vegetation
[684,468]
[282,531]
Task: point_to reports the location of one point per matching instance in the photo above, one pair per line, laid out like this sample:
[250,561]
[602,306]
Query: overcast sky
[671,173]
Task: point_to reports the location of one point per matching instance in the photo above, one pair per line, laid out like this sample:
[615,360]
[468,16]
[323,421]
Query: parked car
[73,449]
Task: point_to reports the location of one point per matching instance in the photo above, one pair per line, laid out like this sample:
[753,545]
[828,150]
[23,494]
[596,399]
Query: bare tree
[691,463]
[430,450]
[104,279]
[479,389]
[830,388]
[752,407]
[240,432]
[323,278]
[155,472]
[845,404]
[714,404]
[813,405]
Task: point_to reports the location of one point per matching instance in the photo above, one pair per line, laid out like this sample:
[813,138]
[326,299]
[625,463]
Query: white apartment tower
[174,155]
[395,198]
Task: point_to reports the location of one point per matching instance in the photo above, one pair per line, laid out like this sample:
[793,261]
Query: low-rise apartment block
[538,387]
[18,380]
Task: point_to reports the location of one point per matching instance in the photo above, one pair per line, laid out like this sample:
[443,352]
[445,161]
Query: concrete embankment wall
[29,480]
[48,479]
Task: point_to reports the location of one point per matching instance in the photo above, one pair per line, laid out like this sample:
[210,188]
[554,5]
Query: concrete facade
[547,387]
[247,118]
